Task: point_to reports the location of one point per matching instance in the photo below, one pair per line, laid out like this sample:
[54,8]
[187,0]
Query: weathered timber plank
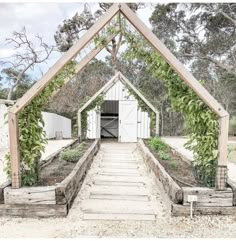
[2,187]
[33,210]
[169,185]
[117,207]
[181,210]
[115,183]
[91,216]
[70,186]
[119,190]
[232,185]
[30,195]
[208,196]
[128,197]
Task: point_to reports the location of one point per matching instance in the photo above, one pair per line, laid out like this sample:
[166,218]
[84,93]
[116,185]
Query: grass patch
[232,152]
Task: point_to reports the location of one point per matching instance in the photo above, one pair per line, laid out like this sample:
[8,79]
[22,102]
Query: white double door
[128,120]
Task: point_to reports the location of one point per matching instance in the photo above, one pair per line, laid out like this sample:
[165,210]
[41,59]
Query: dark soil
[181,171]
[58,169]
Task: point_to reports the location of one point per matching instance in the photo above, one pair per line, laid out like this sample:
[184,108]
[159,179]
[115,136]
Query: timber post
[14,149]
[221,170]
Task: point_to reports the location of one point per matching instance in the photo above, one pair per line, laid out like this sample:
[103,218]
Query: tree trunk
[9,96]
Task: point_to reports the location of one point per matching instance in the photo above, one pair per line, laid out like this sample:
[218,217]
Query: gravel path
[164,226]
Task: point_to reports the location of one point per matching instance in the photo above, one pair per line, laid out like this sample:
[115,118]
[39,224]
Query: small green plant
[72,155]
[157,144]
[164,155]
[173,164]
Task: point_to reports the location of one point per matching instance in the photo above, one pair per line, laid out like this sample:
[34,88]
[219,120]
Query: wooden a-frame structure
[151,38]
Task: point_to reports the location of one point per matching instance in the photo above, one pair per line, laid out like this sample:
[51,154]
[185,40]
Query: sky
[43,19]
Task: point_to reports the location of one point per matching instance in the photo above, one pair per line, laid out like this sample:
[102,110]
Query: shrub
[72,155]
[157,145]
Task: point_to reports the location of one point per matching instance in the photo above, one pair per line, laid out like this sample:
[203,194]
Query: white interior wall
[92,125]
[54,123]
[4,139]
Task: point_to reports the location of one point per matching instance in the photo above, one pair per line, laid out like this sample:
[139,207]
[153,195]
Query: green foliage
[72,155]
[157,144]
[202,121]
[84,114]
[32,137]
[232,126]
[173,164]
[164,155]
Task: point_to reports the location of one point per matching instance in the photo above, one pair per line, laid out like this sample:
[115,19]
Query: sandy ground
[73,226]
[55,145]
[178,144]
[50,148]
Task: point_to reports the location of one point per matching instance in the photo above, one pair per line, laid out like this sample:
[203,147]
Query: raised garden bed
[209,201]
[51,200]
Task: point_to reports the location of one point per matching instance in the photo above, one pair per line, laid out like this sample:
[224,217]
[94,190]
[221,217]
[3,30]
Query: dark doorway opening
[110,119]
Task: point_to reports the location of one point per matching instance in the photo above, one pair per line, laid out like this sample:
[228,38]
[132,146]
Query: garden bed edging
[209,200]
[47,201]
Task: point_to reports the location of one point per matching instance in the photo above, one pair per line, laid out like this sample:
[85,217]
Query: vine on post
[32,137]
[200,120]
[96,103]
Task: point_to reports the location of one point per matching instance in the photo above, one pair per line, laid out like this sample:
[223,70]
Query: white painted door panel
[128,121]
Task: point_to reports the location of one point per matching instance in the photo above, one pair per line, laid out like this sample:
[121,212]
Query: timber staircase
[117,186]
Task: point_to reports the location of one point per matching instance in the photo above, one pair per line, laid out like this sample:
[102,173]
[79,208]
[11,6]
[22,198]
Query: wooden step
[117,207]
[119,166]
[115,174]
[113,217]
[119,197]
[117,170]
[117,183]
[132,179]
[125,190]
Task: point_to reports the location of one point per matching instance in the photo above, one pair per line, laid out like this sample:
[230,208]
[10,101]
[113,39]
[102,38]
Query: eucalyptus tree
[27,54]
[203,36]
[72,29]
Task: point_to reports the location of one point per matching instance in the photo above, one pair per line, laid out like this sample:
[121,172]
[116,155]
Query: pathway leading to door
[119,187]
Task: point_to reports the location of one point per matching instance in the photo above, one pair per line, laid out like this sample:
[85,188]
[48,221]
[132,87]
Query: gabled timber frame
[186,76]
[117,77]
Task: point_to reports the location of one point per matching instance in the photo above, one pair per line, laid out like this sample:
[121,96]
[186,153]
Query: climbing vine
[200,120]
[96,103]
[32,137]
